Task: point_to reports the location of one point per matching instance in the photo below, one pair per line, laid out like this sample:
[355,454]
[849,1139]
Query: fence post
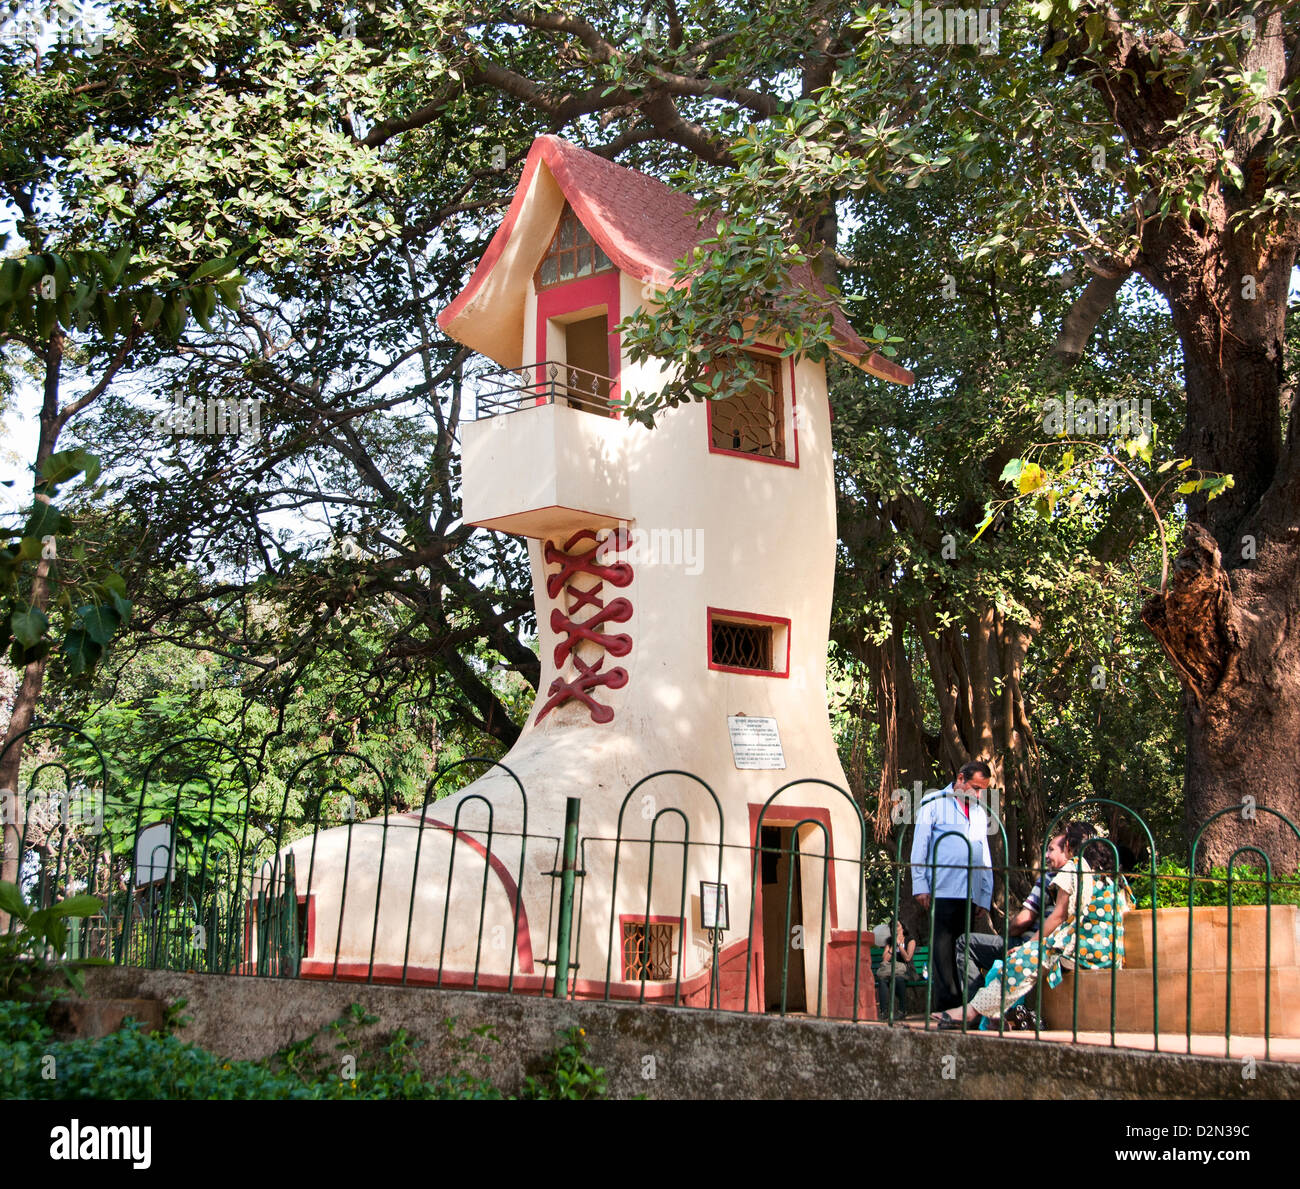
[568,870]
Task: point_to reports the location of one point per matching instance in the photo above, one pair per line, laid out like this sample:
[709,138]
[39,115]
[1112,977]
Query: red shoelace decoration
[619,610]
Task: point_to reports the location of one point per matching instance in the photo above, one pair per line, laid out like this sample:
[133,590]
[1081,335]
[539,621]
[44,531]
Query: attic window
[752,421]
[572,254]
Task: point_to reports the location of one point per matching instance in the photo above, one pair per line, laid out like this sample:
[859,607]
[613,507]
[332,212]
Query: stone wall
[686,1053]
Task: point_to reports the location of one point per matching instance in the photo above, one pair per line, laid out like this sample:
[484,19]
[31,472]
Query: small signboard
[755,742]
[153,848]
[715,911]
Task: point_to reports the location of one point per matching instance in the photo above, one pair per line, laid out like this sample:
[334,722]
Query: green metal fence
[198,869]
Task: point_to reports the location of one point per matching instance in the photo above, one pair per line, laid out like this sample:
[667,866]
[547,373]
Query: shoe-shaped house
[683,583]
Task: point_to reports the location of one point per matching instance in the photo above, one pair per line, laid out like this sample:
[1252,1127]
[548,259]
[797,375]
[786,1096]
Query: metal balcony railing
[510,389]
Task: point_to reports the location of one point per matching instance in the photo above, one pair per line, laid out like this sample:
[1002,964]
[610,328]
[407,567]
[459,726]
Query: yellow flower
[582,1032]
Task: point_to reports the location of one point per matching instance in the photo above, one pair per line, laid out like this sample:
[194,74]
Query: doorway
[586,352]
[782,946]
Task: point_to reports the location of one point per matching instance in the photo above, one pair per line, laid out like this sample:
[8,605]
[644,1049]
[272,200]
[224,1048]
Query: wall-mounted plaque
[755,742]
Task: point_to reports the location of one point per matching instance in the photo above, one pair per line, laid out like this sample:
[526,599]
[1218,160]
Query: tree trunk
[1230,618]
[1234,637]
[29,691]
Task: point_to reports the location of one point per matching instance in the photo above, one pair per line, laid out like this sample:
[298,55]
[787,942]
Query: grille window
[572,254]
[647,951]
[753,421]
[742,645]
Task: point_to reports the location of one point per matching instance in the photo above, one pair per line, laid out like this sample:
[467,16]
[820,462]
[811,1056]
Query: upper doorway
[586,383]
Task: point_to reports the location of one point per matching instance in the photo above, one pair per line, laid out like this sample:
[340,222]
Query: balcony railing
[510,389]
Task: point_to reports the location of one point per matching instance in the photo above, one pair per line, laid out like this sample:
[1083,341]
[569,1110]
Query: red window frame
[751,617]
[788,384]
[674,958]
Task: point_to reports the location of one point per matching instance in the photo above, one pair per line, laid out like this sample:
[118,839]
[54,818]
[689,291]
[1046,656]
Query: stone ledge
[694,1054]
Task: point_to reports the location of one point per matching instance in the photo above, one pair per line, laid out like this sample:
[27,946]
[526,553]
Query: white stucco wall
[761,540]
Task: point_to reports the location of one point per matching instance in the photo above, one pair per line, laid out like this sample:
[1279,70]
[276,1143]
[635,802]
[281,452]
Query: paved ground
[1280,1048]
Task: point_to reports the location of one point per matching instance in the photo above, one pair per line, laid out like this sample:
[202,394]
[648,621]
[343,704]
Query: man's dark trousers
[949,924]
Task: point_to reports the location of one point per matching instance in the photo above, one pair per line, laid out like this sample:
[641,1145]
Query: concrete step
[1210,938]
[1134,1001]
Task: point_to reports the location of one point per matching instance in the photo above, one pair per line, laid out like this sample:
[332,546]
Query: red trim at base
[523,938]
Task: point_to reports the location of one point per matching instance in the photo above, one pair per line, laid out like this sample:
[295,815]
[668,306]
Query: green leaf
[120,605]
[173,316]
[1011,472]
[64,464]
[101,621]
[150,317]
[214,268]
[28,627]
[10,273]
[33,270]
[82,653]
[77,906]
[44,520]
[1031,478]
[12,902]
[117,265]
[203,302]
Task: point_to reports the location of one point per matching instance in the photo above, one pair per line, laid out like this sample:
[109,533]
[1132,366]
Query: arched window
[572,254]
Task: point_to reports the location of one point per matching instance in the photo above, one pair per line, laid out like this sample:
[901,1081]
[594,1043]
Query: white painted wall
[767,545]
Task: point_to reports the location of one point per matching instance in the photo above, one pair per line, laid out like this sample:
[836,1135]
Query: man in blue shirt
[951,836]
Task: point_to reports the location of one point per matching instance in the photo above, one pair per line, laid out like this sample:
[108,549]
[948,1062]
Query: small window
[742,645]
[647,951]
[753,421]
[572,254]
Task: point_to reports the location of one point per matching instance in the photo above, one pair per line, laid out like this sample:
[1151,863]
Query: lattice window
[572,254]
[742,645]
[647,951]
[753,421]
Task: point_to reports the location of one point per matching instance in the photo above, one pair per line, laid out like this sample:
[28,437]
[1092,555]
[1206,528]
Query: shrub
[567,1073]
[1248,887]
[132,1064]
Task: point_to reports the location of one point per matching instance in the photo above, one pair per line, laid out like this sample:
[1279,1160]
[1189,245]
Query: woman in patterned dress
[1086,928]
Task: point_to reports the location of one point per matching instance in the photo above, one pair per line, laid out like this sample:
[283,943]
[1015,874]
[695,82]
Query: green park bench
[920,961]
[914,993]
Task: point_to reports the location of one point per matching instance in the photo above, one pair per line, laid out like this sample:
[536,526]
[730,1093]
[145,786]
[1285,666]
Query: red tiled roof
[643,226]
